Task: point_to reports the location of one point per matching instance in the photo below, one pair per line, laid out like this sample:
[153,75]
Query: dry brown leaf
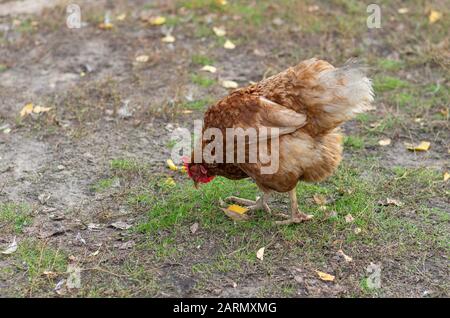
[229,45]
[168,39]
[446,176]
[320,199]
[219,31]
[26,110]
[422,146]
[194,228]
[209,68]
[325,277]
[11,248]
[260,253]
[349,218]
[384,142]
[347,258]
[142,58]
[229,84]
[434,16]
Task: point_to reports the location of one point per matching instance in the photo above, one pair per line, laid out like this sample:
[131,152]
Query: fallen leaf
[168,39]
[235,216]
[157,20]
[434,16]
[194,228]
[403,10]
[349,218]
[357,230]
[142,58]
[49,274]
[320,199]
[26,110]
[171,165]
[222,2]
[384,142]
[260,253]
[126,245]
[60,287]
[229,45]
[238,209]
[325,277]
[106,26]
[393,202]
[423,146]
[446,176]
[347,258]
[170,182]
[444,112]
[94,253]
[120,225]
[39,109]
[209,68]
[121,17]
[313,8]
[11,248]
[229,84]
[219,31]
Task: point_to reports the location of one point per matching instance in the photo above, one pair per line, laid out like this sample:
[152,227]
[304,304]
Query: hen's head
[197,172]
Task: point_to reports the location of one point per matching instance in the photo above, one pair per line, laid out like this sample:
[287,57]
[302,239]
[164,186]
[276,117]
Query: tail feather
[335,95]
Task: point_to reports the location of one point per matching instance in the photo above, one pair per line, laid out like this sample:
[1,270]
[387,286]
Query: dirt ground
[83,186]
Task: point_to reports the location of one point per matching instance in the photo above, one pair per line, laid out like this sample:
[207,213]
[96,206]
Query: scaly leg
[259,204]
[296,215]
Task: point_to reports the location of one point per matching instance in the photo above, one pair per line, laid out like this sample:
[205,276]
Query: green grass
[390,65]
[124,165]
[202,81]
[388,83]
[200,104]
[104,184]
[38,258]
[3,68]
[15,216]
[354,142]
[201,60]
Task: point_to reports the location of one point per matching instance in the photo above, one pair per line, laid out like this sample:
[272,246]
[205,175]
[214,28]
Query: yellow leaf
[229,84]
[106,26]
[121,17]
[260,253]
[39,109]
[170,182]
[157,20]
[142,58]
[384,142]
[219,31]
[235,216]
[168,39]
[209,68]
[434,16]
[229,45]
[423,146]
[237,208]
[222,2]
[446,176]
[171,165]
[325,277]
[28,109]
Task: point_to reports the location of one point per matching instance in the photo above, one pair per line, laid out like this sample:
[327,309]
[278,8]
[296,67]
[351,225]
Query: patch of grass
[390,65]
[104,184]
[202,81]
[15,216]
[38,258]
[200,59]
[200,104]
[3,68]
[388,83]
[124,165]
[404,99]
[354,142]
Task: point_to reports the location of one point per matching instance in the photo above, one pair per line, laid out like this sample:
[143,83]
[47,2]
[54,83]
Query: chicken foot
[296,215]
[259,204]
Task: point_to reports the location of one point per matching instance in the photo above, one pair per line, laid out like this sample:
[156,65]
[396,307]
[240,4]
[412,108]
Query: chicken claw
[259,204]
[296,218]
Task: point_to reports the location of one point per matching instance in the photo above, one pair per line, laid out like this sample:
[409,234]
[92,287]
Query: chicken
[297,113]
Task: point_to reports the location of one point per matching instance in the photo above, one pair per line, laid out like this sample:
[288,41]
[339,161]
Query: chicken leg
[259,204]
[296,215]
